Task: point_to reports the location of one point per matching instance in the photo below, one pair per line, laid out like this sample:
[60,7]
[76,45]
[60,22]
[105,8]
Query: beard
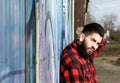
[83,51]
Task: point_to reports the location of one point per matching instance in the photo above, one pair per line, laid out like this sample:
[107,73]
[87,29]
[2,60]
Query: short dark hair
[94,27]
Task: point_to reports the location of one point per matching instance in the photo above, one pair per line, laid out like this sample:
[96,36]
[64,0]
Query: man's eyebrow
[96,41]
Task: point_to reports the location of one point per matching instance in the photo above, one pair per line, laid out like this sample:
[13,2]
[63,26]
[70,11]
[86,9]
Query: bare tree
[108,21]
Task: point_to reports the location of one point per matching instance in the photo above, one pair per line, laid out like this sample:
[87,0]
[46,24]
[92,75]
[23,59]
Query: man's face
[91,43]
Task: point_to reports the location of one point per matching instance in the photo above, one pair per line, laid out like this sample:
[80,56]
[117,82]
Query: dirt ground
[107,71]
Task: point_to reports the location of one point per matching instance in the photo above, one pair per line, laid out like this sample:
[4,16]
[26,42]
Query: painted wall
[18,41]
[54,32]
[33,29]
[12,58]
[30,42]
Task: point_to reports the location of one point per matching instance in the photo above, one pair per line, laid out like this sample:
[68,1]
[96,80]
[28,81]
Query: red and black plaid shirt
[76,69]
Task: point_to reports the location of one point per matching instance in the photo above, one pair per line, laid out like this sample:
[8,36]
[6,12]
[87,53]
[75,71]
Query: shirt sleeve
[100,48]
[73,75]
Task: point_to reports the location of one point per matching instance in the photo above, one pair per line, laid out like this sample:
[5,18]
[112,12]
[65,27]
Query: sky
[100,8]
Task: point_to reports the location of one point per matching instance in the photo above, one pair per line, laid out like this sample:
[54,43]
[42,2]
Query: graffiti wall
[30,43]
[12,58]
[33,34]
[54,32]
[18,41]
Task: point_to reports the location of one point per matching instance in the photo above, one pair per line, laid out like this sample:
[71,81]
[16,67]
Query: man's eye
[93,40]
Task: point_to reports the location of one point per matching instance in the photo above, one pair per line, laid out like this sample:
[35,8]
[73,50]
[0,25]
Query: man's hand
[102,44]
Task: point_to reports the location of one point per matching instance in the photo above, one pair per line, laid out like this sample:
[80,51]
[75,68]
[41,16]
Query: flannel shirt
[76,69]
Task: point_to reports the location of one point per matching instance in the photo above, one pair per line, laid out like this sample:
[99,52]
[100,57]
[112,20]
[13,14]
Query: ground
[107,71]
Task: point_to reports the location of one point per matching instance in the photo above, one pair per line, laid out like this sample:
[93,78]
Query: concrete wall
[80,8]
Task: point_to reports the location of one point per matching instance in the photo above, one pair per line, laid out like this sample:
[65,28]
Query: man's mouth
[91,50]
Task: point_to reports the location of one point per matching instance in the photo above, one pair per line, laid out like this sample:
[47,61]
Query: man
[76,62]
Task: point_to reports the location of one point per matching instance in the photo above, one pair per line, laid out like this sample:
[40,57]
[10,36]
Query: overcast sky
[100,8]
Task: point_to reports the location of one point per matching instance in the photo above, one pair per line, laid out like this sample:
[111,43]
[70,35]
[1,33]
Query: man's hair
[94,27]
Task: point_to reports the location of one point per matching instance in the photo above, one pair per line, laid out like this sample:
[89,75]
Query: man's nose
[95,46]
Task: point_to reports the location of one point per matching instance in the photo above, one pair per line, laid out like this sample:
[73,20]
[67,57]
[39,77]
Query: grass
[111,50]
[118,61]
[112,46]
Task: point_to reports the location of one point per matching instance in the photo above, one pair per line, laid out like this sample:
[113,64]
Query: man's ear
[81,37]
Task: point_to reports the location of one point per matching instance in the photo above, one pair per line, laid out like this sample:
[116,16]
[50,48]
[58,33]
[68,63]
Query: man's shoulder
[72,47]
[71,58]
[68,52]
